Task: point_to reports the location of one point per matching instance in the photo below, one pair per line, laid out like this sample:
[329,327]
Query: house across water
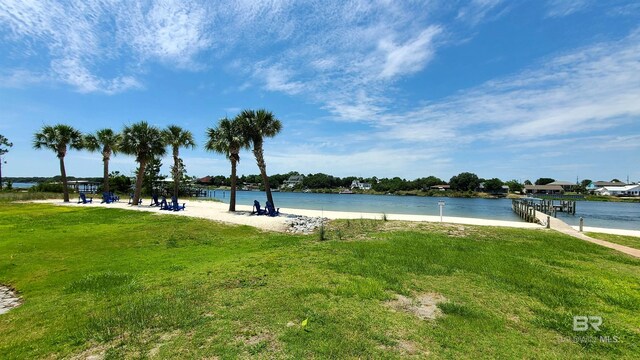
[544,189]
[627,190]
[355,184]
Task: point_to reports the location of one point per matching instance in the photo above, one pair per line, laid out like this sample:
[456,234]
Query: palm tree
[59,138]
[145,142]
[3,142]
[258,125]
[228,138]
[177,137]
[108,143]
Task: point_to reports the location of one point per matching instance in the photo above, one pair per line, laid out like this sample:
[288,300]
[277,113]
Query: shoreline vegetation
[420,193]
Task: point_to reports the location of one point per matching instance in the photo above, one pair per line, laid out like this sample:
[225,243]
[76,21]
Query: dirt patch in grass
[423,306]
[406,348]
[164,339]
[259,342]
[95,352]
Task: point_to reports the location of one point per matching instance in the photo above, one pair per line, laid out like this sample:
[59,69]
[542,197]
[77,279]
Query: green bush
[47,187]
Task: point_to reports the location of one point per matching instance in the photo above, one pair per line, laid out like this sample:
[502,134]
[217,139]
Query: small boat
[346,191]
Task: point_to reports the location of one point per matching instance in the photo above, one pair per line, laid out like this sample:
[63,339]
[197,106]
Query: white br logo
[581,323]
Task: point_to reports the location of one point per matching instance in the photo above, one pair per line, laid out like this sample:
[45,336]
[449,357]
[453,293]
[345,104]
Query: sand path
[562,227]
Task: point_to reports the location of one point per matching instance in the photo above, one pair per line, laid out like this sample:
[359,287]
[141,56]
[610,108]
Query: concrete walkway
[564,228]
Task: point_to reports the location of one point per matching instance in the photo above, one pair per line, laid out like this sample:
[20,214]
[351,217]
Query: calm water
[596,214]
[18,185]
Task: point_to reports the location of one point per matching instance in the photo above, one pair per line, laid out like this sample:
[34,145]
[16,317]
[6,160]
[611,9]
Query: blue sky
[508,89]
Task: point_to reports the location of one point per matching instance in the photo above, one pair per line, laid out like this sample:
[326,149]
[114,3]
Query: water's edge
[596,214]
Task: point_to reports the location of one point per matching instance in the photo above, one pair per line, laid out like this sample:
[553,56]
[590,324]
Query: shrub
[47,187]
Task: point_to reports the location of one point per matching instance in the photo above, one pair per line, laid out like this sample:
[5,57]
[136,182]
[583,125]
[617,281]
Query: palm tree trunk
[0,173]
[63,174]
[176,172]
[259,154]
[138,190]
[105,174]
[232,198]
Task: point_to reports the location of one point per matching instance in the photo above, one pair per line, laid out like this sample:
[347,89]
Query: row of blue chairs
[107,197]
[174,205]
[269,209]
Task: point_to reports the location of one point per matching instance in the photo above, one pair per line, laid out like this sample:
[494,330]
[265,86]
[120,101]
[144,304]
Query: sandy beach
[217,211]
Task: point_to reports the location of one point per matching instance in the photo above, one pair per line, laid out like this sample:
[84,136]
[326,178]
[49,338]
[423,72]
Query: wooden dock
[526,207]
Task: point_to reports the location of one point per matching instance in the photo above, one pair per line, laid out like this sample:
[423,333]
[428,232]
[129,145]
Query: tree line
[148,143]
[463,182]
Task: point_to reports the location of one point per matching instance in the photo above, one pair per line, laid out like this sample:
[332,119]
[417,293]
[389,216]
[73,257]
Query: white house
[355,184]
[594,185]
[293,181]
[628,190]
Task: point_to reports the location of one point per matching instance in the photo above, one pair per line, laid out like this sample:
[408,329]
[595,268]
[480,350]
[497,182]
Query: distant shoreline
[451,194]
[419,193]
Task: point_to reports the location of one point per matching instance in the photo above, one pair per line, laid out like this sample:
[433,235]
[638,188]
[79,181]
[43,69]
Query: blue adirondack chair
[83,199]
[106,198]
[175,206]
[164,205]
[257,210]
[154,200]
[131,200]
[109,197]
[271,210]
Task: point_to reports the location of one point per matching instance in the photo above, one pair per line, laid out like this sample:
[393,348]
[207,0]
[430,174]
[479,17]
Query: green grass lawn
[630,241]
[137,285]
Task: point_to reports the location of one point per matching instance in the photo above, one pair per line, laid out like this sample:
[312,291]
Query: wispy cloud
[590,89]
[82,38]
[370,162]
[326,50]
[409,57]
[21,78]
[278,79]
[173,31]
[560,8]
[477,10]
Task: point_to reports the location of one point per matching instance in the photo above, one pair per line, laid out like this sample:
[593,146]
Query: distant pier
[526,207]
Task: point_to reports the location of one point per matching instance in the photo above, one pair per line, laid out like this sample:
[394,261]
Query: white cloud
[377,161]
[74,72]
[477,10]
[171,31]
[408,57]
[83,38]
[343,55]
[560,8]
[587,90]
[278,79]
[21,78]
